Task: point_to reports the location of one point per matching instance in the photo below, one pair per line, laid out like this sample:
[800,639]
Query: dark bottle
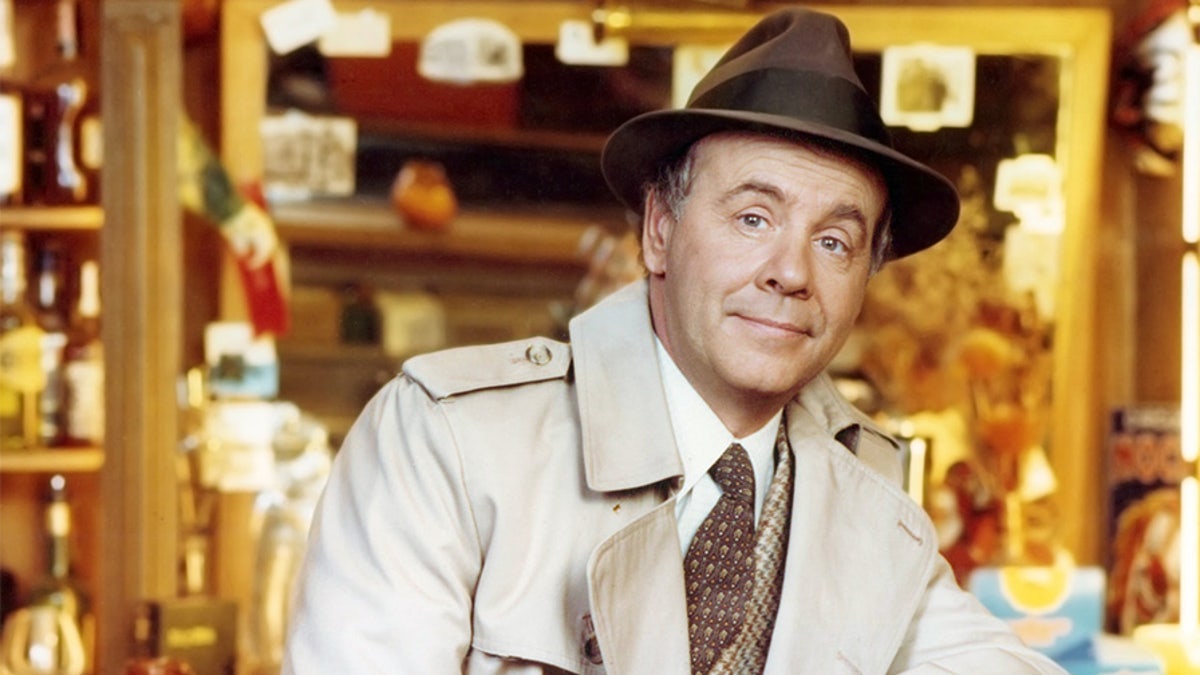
[360,316]
[62,124]
[50,306]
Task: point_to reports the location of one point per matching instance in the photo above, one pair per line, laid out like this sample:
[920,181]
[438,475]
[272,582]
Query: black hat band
[804,95]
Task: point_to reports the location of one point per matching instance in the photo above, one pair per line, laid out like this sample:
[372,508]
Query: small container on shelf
[83,366]
[21,376]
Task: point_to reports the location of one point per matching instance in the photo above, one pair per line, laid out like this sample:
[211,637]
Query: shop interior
[294,197]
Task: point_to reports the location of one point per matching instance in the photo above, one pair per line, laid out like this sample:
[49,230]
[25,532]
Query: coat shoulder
[461,370]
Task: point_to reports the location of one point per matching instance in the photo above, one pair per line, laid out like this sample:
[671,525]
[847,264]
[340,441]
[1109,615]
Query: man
[679,489]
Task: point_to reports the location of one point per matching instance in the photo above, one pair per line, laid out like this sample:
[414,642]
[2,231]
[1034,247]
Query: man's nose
[787,268]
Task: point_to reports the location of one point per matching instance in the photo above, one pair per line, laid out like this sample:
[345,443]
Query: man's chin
[772,387]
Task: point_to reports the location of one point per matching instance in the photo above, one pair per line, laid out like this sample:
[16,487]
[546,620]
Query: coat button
[590,645]
[538,354]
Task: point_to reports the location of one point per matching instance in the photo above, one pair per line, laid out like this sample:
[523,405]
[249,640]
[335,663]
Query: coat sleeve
[953,633]
[393,553]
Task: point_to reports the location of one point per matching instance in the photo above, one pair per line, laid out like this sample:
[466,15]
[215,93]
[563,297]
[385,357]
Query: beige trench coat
[509,509]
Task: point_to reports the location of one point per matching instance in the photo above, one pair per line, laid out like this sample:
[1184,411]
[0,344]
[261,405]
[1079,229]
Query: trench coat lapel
[624,422]
[635,578]
[853,538]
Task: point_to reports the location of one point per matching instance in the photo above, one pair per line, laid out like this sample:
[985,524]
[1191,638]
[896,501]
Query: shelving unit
[25,474]
[54,222]
[135,234]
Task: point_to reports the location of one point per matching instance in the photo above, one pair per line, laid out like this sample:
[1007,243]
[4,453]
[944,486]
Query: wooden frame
[1080,36]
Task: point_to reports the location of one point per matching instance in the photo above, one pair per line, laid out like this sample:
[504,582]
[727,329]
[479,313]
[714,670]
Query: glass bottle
[52,318]
[62,132]
[283,516]
[21,375]
[83,365]
[360,316]
[64,645]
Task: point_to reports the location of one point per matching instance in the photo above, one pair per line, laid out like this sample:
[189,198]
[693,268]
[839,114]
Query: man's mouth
[776,325]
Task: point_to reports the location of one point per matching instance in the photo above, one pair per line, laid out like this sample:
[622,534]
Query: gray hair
[673,184]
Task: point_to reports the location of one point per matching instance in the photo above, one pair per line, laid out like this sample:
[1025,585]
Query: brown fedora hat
[792,72]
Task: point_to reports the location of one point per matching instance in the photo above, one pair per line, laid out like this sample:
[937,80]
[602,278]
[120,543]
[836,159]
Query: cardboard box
[199,631]
[1055,610]
[1059,611]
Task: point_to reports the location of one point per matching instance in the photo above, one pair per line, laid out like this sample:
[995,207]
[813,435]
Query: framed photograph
[927,87]
[308,156]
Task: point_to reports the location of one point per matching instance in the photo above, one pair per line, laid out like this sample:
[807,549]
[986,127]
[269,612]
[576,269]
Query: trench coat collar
[854,538]
[621,410]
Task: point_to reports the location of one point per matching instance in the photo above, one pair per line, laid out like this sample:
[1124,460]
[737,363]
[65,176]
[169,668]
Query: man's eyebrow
[850,212]
[757,187]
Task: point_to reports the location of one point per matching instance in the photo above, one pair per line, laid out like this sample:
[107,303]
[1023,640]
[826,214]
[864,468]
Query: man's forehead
[721,141]
[713,151]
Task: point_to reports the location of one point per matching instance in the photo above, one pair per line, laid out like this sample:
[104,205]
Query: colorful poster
[1145,469]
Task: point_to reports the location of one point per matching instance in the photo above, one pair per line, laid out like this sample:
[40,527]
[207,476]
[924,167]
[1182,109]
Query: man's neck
[742,413]
[743,416]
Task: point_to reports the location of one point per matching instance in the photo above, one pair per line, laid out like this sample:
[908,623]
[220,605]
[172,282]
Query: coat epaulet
[465,369]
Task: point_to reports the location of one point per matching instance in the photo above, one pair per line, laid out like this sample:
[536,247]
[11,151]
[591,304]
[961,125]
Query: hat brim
[925,205]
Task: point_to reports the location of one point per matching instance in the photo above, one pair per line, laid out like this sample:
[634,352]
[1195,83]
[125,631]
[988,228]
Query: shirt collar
[701,436]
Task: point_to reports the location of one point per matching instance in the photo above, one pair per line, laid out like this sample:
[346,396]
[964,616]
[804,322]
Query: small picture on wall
[308,156]
[927,87]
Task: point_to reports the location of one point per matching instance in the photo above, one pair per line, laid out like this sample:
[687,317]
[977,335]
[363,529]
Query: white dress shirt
[702,438]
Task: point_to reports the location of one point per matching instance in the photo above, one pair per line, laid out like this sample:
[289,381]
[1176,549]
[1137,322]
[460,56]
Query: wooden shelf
[523,238]
[335,354]
[54,218]
[51,460]
[569,141]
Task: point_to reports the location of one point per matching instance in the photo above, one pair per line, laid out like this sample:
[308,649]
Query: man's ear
[657,226]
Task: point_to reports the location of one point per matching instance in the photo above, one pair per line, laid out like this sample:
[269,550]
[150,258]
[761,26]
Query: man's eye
[753,220]
[833,244]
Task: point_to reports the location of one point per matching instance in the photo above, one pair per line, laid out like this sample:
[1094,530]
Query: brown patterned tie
[719,565]
[748,652]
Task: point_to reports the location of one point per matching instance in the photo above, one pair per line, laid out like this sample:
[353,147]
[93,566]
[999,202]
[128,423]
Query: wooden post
[140,262]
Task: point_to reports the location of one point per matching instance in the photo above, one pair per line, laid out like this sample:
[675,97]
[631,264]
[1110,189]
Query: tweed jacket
[509,509]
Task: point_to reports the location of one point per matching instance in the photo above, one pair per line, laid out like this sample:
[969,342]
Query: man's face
[758,284]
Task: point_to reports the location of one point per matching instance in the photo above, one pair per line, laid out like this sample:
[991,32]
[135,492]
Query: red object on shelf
[265,298]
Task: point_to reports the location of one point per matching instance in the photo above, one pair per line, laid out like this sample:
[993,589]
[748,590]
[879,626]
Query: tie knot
[734,473]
